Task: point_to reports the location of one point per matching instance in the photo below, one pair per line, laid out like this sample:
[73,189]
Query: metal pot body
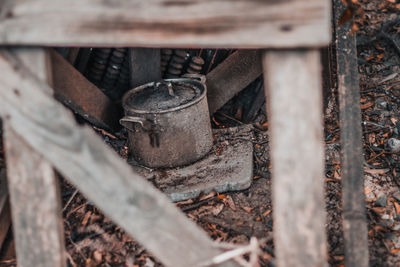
[170,138]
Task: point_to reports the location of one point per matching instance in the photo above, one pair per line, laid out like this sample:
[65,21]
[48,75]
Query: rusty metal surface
[171,136]
[80,95]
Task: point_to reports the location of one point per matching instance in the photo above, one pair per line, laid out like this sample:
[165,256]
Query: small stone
[381,201]
[381,103]
[396,227]
[391,237]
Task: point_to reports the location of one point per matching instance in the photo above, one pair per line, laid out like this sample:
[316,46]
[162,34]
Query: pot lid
[163,95]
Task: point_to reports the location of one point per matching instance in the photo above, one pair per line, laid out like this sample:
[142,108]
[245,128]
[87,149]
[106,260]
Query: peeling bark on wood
[190,23]
[294,96]
[354,218]
[98,172]
[76,92]
[35,199]
[232,76]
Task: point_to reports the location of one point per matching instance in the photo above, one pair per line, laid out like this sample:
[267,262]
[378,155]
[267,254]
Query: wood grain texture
[76,92]
[294,95]
[145,65]
[156,23]
[231,76]
[354,214]
[35,199]
[98,172]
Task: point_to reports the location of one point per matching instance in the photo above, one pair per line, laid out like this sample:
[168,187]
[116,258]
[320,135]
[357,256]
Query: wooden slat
[195,23]
[5,216]
[98,172]
[76,92]
[232,76]
[294,95]
[354,219]
[35,199]
[145,65]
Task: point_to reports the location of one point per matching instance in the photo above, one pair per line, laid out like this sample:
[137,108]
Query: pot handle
[199,77]
[128,120]
[169,87]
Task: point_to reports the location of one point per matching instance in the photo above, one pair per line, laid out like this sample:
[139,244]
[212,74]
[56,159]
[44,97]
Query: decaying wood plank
[98,172]
[5,216]
[354,219]
[76,92]
[190,23]
[294,95]
[145,65]
[35,199]
[232,76]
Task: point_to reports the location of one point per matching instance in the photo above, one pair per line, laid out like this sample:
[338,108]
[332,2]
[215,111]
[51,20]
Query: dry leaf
[231,203]
[221,196]
[397,207]
[395,250]
[86,218]
[367,105]
[266,213]
[367,190]
[376,171]
[209,195]
[217,209]
[185,202]
[247,209]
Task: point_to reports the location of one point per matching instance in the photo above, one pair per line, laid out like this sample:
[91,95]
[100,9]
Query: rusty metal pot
[168,121]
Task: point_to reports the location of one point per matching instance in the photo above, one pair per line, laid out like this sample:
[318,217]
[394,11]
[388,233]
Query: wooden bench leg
[294,97]
[35,199]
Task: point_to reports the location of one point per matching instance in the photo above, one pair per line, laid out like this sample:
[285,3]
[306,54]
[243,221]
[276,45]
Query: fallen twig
[236,252]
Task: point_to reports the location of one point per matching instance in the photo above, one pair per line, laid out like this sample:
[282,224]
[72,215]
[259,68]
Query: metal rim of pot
[187,78]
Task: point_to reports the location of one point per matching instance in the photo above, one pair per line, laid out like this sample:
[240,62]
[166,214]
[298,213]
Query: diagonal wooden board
[33,188]
[157,23]
[83,97]
[97,171]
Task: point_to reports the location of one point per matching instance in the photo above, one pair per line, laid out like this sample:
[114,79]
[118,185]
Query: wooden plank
[98,172]
[35,199]
[76,92]
[294,95]
[157,23]
[5,216]
[145,65]
[232,76]
[354,216]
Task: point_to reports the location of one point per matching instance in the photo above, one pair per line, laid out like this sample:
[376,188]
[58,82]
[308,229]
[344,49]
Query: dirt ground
[93,240]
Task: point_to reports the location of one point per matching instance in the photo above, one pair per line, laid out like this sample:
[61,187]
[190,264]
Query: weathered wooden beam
[156,23]
[145,65]
[5,216]
[294,98]
[354,219]
[76,92]
[98,172]
[232,76]
[35,199]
